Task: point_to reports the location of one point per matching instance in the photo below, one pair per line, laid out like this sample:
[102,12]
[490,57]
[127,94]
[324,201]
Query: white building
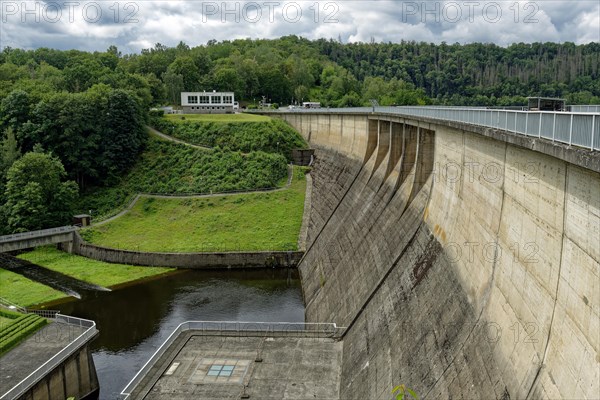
[207,102]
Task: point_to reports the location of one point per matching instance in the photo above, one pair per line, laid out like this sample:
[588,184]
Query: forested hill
[73,121]
[478,74]
[295,69]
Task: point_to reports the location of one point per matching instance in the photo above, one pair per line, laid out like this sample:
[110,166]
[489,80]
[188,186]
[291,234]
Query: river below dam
[133,321]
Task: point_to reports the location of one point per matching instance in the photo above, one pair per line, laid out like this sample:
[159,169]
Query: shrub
[156,113]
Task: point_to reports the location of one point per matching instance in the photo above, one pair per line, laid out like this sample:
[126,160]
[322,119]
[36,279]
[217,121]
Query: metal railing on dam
[28,382]
[7,242]
[573,128]
[238,329]
[36,234]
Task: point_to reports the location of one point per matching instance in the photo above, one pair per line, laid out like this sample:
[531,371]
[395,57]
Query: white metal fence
[36,234]
[22,387]
[592,109]
[572,128]
[15,307]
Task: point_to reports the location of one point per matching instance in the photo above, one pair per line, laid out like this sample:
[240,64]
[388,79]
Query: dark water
[135,320]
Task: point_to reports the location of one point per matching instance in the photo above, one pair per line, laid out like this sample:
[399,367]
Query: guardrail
[230,328]
[22,387]
[573,128]
[36,234]
[586,109]
[579,129]
[42,313]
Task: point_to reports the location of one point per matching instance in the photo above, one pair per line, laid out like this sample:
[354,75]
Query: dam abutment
[463,260]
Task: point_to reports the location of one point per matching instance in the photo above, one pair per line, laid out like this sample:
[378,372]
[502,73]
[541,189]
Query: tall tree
[37,196]
[174,86]
[124,135]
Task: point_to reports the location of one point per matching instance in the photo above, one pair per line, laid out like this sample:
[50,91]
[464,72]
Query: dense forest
[73,119]
[293,69]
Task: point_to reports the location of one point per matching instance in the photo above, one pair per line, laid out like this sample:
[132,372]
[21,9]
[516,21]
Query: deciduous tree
[37,196]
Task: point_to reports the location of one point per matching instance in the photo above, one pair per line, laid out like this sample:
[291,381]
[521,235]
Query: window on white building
[192,99]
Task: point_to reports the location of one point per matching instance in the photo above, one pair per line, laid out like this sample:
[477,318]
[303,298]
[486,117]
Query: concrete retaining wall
[269,259]
[75,377]
[463,265]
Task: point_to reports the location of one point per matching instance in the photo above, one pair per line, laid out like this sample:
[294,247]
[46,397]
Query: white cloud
[140,24]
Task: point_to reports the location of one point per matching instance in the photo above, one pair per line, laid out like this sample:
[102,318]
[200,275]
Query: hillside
[173,168]
[82,115]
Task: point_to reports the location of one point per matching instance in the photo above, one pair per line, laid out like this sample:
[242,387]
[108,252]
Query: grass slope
[167,167]
[270,136]
[217,117]
[258,221]
[16,327]
[85,269]
[25,292]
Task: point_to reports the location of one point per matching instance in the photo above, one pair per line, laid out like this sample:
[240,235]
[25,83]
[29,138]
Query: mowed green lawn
[24,292]
[217,117]
[86,269]
[256,221]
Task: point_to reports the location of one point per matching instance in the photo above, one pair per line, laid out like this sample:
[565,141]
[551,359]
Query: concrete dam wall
[463,266]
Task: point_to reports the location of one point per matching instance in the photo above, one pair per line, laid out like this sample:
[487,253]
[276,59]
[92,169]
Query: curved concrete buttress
[396,150]
[463,265]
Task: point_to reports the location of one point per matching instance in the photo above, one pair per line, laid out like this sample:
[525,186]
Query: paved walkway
[175,140]
[34,351]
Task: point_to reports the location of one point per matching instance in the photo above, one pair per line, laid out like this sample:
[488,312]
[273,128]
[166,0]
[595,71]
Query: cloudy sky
[134,25]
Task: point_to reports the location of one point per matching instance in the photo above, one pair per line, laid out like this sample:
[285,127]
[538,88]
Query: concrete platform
[263,367]
[22,360]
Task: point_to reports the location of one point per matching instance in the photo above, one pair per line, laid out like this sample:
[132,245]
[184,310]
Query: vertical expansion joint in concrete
[400,161]
[372,137]
[383,145]
[488,292]
[562,245]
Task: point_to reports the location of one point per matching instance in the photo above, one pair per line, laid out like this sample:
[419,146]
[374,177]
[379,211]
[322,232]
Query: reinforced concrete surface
[22,360]
[263,367]
[465,262]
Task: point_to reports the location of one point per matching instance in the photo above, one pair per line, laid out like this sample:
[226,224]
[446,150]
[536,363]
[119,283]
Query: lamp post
[374,103]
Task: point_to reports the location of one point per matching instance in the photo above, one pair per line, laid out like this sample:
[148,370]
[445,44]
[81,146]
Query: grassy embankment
[240,222]
[218,117]
[254,221]
[247,133]
[16,327]
[85,269]
[26,292]
[171,168]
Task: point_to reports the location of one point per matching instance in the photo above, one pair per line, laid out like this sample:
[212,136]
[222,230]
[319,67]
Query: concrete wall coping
[208,260]
[575,155]
[578,156]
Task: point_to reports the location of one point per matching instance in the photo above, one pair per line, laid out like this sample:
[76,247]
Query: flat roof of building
[202,365]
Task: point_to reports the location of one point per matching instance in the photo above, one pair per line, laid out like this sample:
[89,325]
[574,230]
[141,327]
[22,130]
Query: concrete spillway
[464,266]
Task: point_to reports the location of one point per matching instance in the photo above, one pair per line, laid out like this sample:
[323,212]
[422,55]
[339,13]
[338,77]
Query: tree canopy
[89,109]
[36,194]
